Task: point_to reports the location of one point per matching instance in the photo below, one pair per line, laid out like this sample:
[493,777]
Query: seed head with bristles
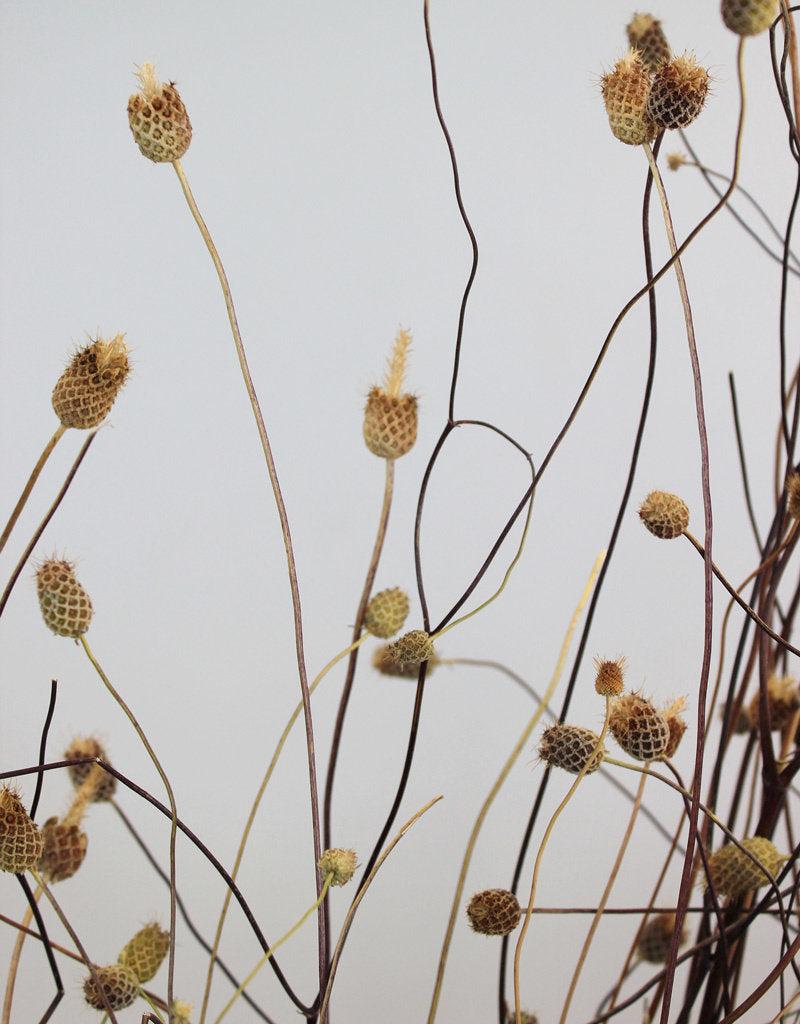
[86,390]
[340,863]
[655,939]
[63,851]
[570,747]
[676,160]
[732,873]
[20,839]
[639,728]
[494,912]
[390,416]
[145,952]
[387,612]
[665,515]
[66,607]
[646,35]
[749,17]
[411,649]
[625,95]
[673,716]
[158,119]
[783,699]
[608,681]
[104,784]
[384,662]
[678,92]
[117,984]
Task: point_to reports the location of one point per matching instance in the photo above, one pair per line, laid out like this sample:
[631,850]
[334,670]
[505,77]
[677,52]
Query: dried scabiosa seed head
[384,662]
[749,17]
[158,119]
[341,863]
[678,92]
[732,873]
[673,715]
[66,607]
[783,699]
[625,96]
[105,785]
[411,649]
[390,416]
[494,912]
[655,938]
[646,35]
[639,728]
[86,390]
[20,838]
[665,515]
[570,747]
[608,681]
[145,952]
[63,851]
[116,983]
[387,612]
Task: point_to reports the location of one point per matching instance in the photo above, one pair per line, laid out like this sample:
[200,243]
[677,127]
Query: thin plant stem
[16,953]
[37,469]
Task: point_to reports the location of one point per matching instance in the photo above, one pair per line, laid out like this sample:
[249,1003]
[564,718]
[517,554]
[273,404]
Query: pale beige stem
[13,965]
[37,469]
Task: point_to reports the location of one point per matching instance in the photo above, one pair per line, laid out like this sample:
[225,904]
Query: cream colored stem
[13,965]
[31,481]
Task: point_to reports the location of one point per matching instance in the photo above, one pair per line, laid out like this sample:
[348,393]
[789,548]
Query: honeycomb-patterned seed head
[387,612]
[117,984]
[783,699]
[678,92]
[665,515]
[145,952]
[66,607]
[86,390]
[20,838]
[158,119]
[625,96]
[570,747]
[749,17]
[342,863]
[494,912]
[655,938]
[608,681]
[793,495]
[639,728]
[89,746]
[646,35]
[732,873]
[63,850]
[411,649]
[673,715]
[390,424]
[384,662]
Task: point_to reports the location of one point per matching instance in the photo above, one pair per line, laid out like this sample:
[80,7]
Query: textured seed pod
[411,649]
[158,119]
[608,681]
[570,747]
[625,96]
[655,938]
[640,729]
[678,92]
[494,912]
[390,424]
[793,495]
[665,515]
[116,983]
[732,873]
[145,952]
[675,722]
[86,390]
[384,662]
[64,847]
[749,17]
[646,35]
[341,862]
[783,699]
[387,612]
[65,605]
[20,838]
[88,746]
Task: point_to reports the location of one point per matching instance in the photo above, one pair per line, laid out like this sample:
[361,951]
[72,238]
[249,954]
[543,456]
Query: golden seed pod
[410,650]
[66,607]
[494,912]
[570,747]
[20,838]
[793,495]
[639,728]
[117,984]
[383,661]
[63,850]
[341,862]
[676,723]
[158,119]
[608,681]
[625,95]
[646,35]
[387,612]
[145,952]
[732,873]
[749,17]
[390,424]
[783,699]
[678,92]
[655,938]
[86,390]
[665,515]
[89,746]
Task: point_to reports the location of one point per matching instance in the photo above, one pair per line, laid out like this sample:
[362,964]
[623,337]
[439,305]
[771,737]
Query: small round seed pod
[608,681]
[570,747]
[387,612]
[63,850]
[86,390]
[341,862]
[678,92]
[66,607]
[383,661]
[749,17]
[625,95]
[676,723]
[655,938]
[665,515]
[646,35]
[390,424]
[158,119]
[20,838]
[145,952]
[494,912]
[783,699]
[411,649]
[732,873]
[117,984]
[640,729]
[87,746]
[793,495]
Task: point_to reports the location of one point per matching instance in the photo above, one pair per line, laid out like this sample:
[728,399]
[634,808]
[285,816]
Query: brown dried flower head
[390,417]
[158,119]
[63,850]
[411,649]
[665,515]
[342,863]
[655,938]
[145,952]
[673,715]
[625,95]
[86,390]
[749,17]
[646,35]
[387,612]
[570,747]
[640,729]
[383,661]
[494,912]
[732,873]
[678,92]
[20,838]
[608,681]
[105,785]
[783,699]
[66,607]
[117,984]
